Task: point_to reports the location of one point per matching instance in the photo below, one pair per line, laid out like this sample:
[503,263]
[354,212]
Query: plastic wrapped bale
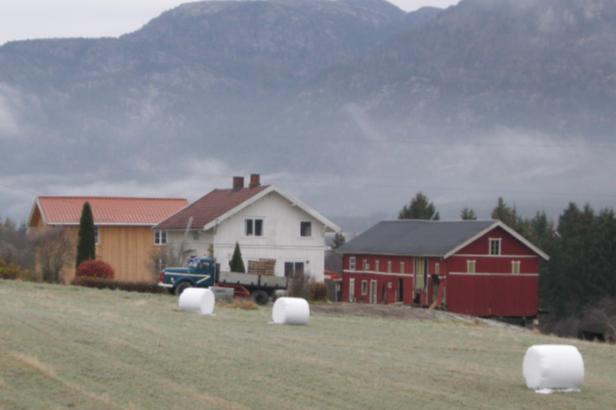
[197,300]
[549,368]
[291,311]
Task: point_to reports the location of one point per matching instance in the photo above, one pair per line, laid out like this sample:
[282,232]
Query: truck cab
[199,272]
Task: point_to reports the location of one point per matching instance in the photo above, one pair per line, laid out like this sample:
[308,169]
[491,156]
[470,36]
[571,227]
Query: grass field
[68,347]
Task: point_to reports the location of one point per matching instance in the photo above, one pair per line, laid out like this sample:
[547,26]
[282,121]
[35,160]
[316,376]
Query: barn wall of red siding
[509,244]
[487,264]
[514,296]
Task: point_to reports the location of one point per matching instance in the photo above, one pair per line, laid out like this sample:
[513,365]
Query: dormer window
[495,246]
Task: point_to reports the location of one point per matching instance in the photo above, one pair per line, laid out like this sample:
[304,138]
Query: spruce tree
[237,264]
[86,242]
[419,208]
[467,214]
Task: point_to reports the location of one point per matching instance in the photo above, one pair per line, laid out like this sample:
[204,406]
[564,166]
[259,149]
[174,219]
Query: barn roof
[425,238]
[66,210]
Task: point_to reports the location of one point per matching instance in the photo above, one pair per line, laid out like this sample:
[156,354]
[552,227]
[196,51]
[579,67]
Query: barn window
[515,267]
[389,266]
[495,246]
[366,264]
[377,266]
[305,228]
[401,267]
[437,268]
[471,266]
[160,237]
[364,287]
[352,262]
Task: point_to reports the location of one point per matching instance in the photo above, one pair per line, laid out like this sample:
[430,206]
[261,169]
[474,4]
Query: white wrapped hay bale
[197,300]
[550,368]
[291,311]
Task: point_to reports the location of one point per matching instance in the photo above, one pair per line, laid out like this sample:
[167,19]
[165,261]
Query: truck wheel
[260,297]
[181,287]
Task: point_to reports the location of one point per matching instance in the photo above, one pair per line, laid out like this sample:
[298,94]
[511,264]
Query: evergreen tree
[506,214]
[468,214]
[419,208]
[86,241]
[237,264]
[339,240]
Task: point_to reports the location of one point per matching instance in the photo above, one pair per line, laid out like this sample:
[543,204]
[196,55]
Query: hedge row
[99,283]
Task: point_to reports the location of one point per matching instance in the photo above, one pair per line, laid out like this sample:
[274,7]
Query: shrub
[299,286]
[95,269]
[12,272]
[318,291]
[100,283]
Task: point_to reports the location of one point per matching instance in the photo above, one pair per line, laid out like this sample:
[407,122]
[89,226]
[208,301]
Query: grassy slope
[66,346]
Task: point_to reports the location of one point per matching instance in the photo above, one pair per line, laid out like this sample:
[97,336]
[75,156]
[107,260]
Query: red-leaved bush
[95,269]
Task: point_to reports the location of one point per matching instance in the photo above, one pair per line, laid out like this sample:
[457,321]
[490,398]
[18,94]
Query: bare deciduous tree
[54,251]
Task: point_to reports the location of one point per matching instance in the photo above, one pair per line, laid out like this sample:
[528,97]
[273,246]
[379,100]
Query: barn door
[421,273]
[373,291]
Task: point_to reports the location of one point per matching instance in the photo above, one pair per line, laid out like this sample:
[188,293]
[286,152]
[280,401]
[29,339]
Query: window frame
[352,263]
[365,265]
[516,267]
[160,237]
[97,236]
[351,290]
[254,227]
[498,241]
[364,287]
[377,265]
[301,229]
[402,267]
[389,266]
[471,266]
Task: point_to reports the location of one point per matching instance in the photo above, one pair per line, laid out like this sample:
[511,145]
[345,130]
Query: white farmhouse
[267,223]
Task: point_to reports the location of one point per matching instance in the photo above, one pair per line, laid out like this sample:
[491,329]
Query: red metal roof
[63,210]
[210,207]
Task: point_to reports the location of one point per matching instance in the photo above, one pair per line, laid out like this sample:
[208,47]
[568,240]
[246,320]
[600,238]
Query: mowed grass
[84,348]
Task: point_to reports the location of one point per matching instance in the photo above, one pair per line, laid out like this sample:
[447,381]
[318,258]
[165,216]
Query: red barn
[481,268]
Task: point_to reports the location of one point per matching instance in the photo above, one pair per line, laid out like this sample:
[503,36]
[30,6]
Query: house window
[305,229]
[401,267]
[364,287]
[437,268]
[389,266]
[351,290]
[366,265]
[515,267]
[254,227]
[97,238]
[471,266]
[352,262]
[160,237]
[495,247]
[293,269]
[195,235]
[377,266]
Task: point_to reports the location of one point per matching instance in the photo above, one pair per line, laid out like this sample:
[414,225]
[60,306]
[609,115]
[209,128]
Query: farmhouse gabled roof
[221,204]
[121,211]
[426,238]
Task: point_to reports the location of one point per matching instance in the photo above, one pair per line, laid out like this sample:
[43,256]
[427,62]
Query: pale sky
[27,19]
